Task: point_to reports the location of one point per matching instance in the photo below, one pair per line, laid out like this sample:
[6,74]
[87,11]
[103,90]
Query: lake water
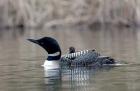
[21,60]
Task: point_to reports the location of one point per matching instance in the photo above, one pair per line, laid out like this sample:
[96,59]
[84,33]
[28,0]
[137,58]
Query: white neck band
[54,54]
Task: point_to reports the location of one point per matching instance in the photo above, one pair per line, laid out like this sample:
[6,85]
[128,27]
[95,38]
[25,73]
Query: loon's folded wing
[76,54]
[86,59]
[69,58]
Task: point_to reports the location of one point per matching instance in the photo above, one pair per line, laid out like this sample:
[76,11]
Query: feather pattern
[86,58]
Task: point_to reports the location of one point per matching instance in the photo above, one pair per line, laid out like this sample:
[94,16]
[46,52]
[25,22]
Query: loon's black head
[49,44]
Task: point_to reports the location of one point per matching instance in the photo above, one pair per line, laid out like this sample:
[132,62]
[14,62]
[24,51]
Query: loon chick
[82,58]
[71,49]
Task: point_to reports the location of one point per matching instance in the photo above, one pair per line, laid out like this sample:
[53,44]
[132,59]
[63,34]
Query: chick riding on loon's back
[81,58]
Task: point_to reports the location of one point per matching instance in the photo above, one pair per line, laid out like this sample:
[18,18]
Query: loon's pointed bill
[32,40]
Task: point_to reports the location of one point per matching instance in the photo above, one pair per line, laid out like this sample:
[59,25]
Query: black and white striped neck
[54,56]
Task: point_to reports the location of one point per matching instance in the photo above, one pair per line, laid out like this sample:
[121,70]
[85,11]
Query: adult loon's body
[81,58]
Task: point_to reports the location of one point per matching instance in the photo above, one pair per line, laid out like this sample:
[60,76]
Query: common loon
[81,58]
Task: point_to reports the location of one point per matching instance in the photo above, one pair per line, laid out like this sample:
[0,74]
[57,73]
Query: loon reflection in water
[77,79]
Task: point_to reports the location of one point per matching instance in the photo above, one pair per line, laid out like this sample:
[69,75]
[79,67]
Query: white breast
[51,64]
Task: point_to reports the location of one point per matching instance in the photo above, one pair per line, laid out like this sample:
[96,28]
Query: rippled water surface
[20,60]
